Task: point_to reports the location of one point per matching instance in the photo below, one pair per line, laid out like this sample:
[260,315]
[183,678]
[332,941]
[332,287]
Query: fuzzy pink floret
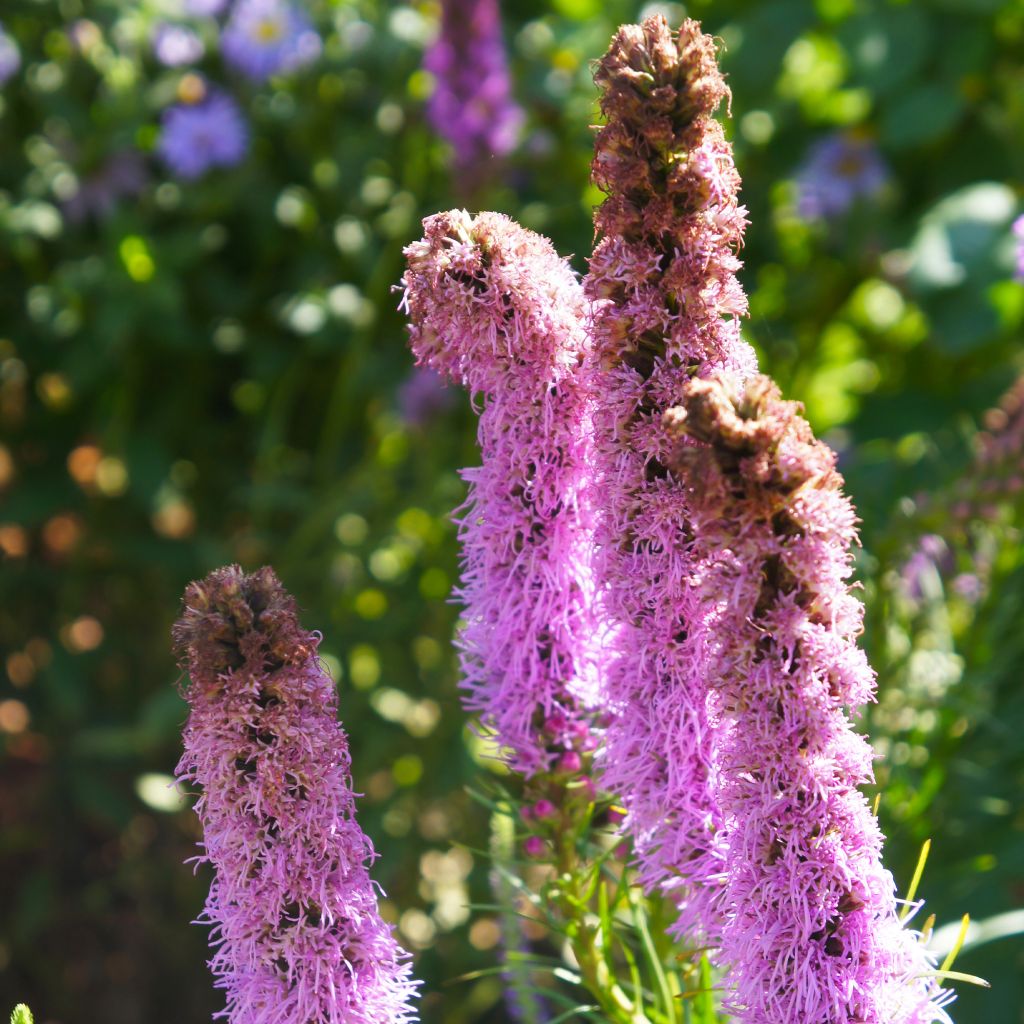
[494,308]
[294,915]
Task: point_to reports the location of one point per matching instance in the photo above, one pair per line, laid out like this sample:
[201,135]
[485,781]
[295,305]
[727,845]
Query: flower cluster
[472,106]
[720,554]
[663,279]
[811,932]
[206,128]
[294,913]
[494,308]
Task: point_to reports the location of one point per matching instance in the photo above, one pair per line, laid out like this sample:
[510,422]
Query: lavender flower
[266,37]
[204,8]
[422,395]
[123,175]
[175,45]
[294,913]
[472,106]
[839,170]
[811,934]
[196,137]
[493,307]
[663,279]
[1018,234]
[10,56]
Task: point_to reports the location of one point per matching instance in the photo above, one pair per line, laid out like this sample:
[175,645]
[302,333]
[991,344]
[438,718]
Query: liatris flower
[294,913]
[839,170]
[196,137]
[663,279]
[472,106]
[175,45]
[266,37]
[493,307]
[10,56]
[811,933]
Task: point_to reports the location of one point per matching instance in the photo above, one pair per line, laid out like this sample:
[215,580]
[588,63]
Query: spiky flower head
[494,308]
[810,930]
[666,301]
[296,925]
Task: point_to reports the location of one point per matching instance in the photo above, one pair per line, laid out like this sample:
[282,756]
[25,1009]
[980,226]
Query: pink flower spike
[666,301]
[494,308]
[298,933]
[811,933]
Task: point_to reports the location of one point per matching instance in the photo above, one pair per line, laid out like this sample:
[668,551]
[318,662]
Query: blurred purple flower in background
[265,37]
[201,8]
[472,106]
[923,571]
[1018,234]
[121,176]
[176,44]
[422,395]
[198,136]
[838,170]
[10,58]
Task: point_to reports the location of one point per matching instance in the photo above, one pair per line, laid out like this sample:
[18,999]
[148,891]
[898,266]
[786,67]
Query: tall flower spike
[663,279]
[494,308]
[294,913]
[811,933]
[472,105]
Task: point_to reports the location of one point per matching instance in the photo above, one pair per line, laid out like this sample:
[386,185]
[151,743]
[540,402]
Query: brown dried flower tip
[655,82]
[754,436]
[231,618]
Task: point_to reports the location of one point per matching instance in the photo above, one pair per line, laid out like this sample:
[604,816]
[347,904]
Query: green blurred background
[215,371]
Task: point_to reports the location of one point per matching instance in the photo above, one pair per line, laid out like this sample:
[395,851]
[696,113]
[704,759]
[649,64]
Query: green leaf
[921,115]
[21,1014]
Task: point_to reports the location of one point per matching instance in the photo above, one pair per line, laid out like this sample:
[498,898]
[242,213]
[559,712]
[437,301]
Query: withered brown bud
[230,618]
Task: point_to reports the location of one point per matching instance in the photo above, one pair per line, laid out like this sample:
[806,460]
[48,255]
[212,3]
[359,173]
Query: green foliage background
[224,357]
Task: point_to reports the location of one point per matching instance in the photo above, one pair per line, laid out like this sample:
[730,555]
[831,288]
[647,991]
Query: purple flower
[198,136]
[472,106]
[839,170]
[495,308]
[176,44]
[666,307]
[1018,234]
[10,57]
[810,932]
[265,37]
[204,8]
[923,570]
[422,395]
[122,176]
[296,926]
